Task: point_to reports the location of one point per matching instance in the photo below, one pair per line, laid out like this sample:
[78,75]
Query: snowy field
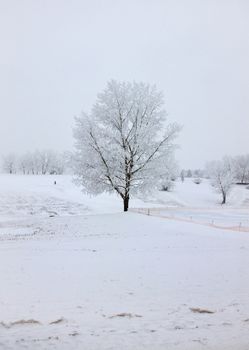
[77,273]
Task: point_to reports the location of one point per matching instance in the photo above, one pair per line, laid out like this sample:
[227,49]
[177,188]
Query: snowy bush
[168,186]
[197,181]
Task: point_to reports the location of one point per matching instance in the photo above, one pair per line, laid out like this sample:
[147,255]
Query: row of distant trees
[192,173]
[239,166]
[40,162]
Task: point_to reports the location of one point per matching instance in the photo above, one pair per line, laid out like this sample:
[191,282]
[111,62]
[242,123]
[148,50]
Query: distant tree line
[40,162]
[192,173]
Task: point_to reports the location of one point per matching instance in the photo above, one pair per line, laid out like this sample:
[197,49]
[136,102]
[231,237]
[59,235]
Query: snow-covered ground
[113,280]
[201,204]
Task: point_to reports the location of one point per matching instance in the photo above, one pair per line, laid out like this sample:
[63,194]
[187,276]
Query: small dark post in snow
[55,182]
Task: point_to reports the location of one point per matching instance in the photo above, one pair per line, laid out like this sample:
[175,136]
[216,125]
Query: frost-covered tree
[68,159]
[189,173]
[241,168]
[182,175]
[24,163]
[44,160]
[170,174]
[35,163]
[10,163]
[222,176]
[124,144]
[57,163]
[198,173]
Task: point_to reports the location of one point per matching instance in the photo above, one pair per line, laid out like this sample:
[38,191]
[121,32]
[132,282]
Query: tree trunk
[223,198]
[242,180]
[126,203]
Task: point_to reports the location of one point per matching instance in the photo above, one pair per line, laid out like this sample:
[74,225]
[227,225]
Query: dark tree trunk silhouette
[126,203]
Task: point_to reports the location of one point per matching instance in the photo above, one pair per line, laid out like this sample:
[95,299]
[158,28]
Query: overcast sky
[56,55]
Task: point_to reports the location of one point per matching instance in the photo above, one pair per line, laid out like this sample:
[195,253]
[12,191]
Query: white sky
[56,55]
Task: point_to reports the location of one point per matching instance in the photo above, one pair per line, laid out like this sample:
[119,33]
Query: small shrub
[167,186]
[197,181]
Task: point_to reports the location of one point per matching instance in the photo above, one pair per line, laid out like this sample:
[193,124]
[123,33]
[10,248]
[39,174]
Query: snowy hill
[188,194]
[39,196]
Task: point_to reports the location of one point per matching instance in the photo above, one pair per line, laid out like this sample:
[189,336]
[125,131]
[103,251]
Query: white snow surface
[91,277]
